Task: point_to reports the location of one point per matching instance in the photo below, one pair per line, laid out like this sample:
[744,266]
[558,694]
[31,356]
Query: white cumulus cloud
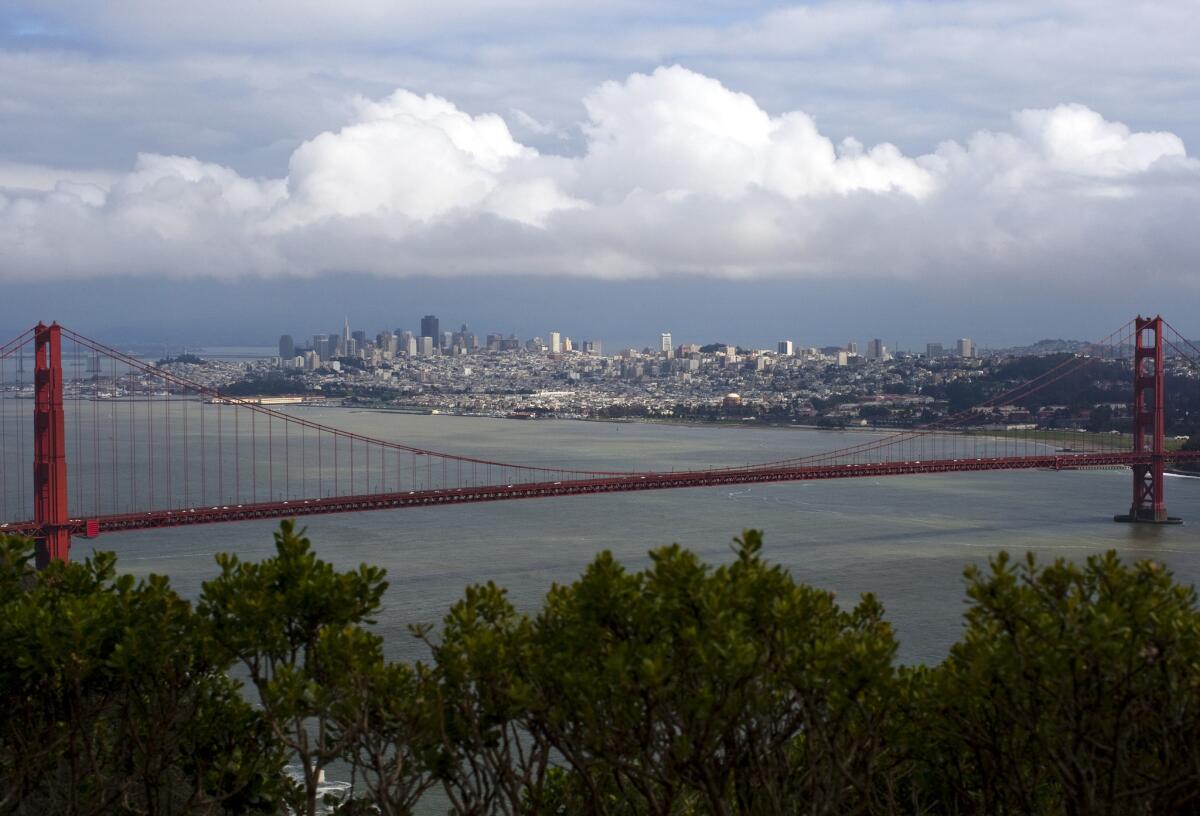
[677,175]
[678,131]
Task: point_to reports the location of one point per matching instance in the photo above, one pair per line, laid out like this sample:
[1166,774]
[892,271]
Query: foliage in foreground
[678,689]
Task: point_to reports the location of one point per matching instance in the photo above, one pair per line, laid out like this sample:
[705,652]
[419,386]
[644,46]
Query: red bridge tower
[49,448]
[1149,502]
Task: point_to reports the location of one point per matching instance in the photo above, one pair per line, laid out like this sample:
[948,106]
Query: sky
[222,172]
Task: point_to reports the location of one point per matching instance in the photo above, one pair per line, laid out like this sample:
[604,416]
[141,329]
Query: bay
[907,539]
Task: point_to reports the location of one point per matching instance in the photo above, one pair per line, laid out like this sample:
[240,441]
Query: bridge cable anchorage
[160,406]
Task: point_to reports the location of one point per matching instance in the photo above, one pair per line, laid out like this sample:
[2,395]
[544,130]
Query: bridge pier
[1149,500]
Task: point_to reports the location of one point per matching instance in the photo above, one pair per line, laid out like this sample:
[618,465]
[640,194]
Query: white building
[786,348]
[555,342]
[666,346]
[966,348]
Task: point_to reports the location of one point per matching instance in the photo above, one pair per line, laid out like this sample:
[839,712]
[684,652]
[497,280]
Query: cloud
[1077,140]
[679,175]
[678,132]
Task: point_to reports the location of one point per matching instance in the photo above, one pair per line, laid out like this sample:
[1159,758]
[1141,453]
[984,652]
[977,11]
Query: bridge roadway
[610,484]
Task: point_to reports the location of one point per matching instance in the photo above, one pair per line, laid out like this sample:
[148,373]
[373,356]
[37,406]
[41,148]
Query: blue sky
[748,171]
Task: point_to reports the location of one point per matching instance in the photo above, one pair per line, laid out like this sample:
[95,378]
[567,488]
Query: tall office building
[346,334]
[665,343]
[852,348]
[426,348]
[321,346]
[934,350]
[786,348]
[876,350]
[555,342]
[287,347]
[429,326]
[410,344]
[966,348]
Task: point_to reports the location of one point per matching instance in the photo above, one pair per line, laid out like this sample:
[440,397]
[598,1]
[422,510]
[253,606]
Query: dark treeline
[679,689]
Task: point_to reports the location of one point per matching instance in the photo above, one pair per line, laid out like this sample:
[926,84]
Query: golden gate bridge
[148,448]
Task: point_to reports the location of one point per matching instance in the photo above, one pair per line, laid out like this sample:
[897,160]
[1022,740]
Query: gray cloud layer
[272,141]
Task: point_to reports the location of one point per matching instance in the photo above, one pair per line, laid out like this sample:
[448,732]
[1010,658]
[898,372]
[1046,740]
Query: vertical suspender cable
[94,360]
[77,431]
[167,464]
[187,444]
[148,390]
[21,432]
[4,442]
[130,404]
[220,455]
[203,456]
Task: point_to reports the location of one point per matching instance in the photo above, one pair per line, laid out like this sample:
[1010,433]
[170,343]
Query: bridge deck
[613,484]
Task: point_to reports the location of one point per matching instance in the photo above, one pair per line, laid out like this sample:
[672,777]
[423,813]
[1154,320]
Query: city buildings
[429,326]
[454,371]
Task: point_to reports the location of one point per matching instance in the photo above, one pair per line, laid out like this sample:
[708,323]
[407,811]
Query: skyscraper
[966,348]
[429,326]
[786,348]
[555,342]
[876,350]
[665,347]
[287,347]
[346,334]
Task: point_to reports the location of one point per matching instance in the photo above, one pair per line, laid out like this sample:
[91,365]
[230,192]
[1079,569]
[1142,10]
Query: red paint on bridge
[185,517]
[53,525]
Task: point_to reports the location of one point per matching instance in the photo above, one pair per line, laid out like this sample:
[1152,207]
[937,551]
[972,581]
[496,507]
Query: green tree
[293,622]
[491,761]
[114,700]
[1073,690]
[390,715]
[735,690]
